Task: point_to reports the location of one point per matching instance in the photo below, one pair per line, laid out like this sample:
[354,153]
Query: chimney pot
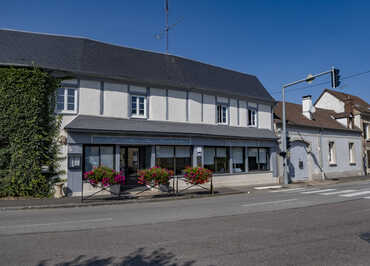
[307,108]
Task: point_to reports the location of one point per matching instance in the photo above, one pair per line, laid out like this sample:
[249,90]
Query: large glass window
[209,158]
[66,101]
[238,159]
[258,159]
[216,159]
[222,114]
[138,106]
[165,157]
[182,158]
[96,155]
[175,158]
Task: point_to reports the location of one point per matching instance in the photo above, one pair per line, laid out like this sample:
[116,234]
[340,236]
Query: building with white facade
[351,111]
[131,109]
[320,147]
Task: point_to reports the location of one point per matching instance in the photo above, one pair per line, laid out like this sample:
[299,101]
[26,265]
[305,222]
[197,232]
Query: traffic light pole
[284,135]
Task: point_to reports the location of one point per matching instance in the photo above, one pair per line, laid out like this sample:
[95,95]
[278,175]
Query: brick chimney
[307,108]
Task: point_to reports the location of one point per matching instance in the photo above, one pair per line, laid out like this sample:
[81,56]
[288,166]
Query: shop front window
[182,158]
[97,155]
[165,157]
[216,159]
[238,159]
[175,158]
[258,159]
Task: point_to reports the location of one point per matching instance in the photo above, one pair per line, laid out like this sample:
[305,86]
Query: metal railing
[172,189]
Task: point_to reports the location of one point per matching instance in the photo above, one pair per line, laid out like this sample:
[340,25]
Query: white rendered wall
[233,112]
[264,116]
[243,113]
[209,109]
[342,121]
[157,104]
[115,100]
[195,107]
[89,97]
[357,121]
[177,106]
[328,101]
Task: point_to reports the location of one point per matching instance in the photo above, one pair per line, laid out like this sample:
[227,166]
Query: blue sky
[278,41]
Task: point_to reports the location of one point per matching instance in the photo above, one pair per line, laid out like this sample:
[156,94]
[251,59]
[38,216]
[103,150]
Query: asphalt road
[308,226]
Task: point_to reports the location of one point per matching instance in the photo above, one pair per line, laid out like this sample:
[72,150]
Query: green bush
[28,131]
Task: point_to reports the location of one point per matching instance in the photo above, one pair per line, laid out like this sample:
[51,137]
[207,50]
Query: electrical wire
[323,83]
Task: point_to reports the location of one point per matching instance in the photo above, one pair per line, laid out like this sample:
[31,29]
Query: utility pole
[335,82]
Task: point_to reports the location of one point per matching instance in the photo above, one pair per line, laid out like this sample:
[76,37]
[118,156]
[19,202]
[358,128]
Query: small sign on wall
[74,161]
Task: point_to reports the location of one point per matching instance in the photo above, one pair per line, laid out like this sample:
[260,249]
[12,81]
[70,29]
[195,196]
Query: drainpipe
[321,157]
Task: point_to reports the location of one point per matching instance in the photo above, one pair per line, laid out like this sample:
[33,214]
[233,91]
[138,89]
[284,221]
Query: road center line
[267,202]
[58,223]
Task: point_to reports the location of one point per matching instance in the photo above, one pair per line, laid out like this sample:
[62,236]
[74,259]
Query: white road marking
[58,223]
[268,187]
[356,194]
[268,202]
[338,192]
[318,191]
[289,190]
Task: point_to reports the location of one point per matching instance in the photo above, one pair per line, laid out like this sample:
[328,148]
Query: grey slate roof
[88,57]
[84,123]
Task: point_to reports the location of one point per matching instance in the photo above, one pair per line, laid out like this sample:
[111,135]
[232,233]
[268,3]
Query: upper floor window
[66,101]
[252,117]
[138,106]
[222,114]
[332,159]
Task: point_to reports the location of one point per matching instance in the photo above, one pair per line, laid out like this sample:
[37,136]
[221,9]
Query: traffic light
[288,143]
[335,78]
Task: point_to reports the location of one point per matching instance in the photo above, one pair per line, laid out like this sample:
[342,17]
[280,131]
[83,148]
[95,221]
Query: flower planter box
[89,189]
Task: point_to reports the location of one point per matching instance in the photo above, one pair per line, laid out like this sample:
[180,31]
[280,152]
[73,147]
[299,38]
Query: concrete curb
[116,202]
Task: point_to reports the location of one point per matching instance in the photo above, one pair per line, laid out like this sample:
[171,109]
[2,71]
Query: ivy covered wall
[28,132]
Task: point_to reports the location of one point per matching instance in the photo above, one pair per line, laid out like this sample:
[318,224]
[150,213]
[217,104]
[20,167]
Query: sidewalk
[71,202]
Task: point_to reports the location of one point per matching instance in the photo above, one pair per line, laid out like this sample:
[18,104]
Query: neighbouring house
[130,109]
[351,111]
[320,147]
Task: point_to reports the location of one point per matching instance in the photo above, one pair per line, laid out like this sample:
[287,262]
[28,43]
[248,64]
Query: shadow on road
[139,257]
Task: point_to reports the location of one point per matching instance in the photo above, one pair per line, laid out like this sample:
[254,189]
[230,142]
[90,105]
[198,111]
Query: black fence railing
[173,188]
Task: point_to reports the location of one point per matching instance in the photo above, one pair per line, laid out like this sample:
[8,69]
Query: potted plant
[105,177]
[156,176]
[197,175]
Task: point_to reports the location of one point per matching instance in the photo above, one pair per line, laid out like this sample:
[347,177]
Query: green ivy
[29,129]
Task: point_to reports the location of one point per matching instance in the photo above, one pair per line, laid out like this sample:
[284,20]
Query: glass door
[130,164]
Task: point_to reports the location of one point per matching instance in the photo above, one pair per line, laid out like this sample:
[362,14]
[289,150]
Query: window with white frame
[252,117]
[138,106]
[351,147]
[332,159]
[367,131]
[66,100]
[222,114]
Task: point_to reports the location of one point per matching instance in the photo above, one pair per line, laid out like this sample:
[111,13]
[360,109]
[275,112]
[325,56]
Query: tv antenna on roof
[160,35]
